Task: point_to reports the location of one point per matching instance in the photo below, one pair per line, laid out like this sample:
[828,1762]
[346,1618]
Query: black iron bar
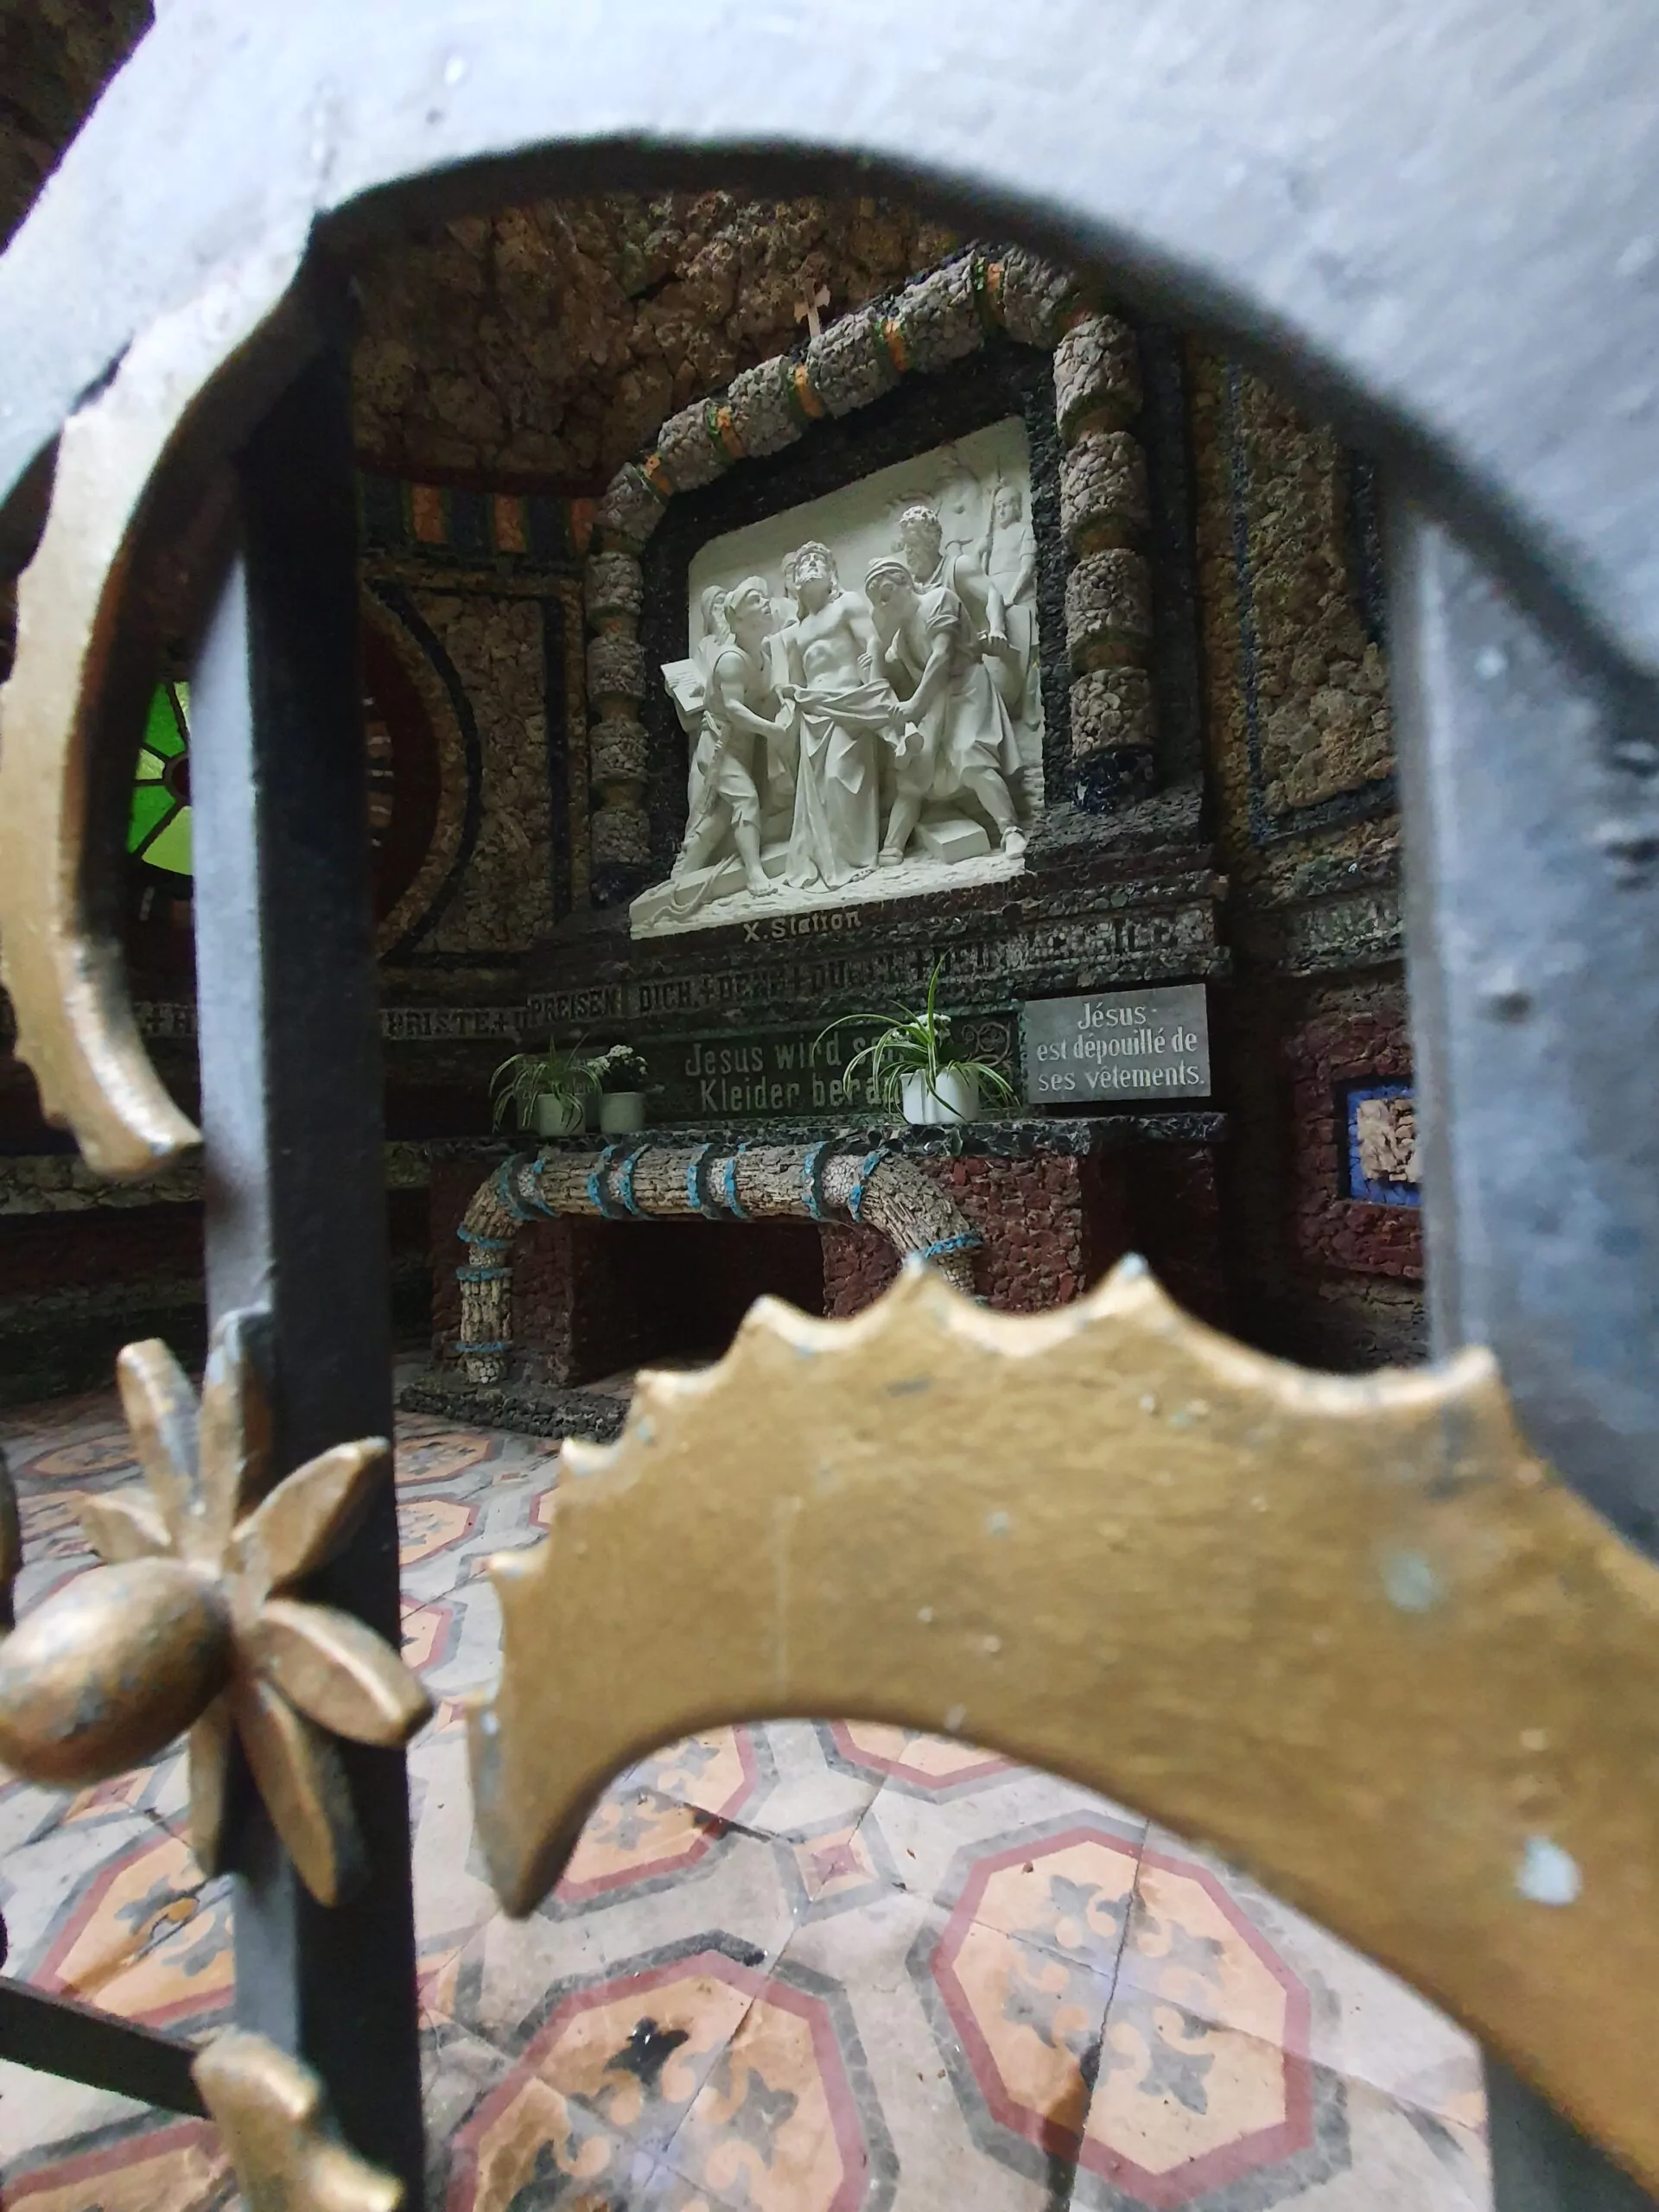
[1536,1040]
[56,2035]
[291,1114]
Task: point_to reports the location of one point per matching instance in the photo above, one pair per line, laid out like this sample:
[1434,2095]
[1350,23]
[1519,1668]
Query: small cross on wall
[807,307]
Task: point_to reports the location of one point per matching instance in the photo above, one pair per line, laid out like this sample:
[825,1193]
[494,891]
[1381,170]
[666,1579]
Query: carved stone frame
[921,414]
[1090,510]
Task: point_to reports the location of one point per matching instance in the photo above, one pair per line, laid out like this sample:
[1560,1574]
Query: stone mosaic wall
[592,1297]
[1049,1228]
[503,900]
[1299,722]
[510,365]
[1053,1227]
[552,341]
[1350,1034]
[55,57]
[1300,770]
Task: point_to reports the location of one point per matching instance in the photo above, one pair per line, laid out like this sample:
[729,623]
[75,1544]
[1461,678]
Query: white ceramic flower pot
[953,1096]
[620,1112]
[557,1116]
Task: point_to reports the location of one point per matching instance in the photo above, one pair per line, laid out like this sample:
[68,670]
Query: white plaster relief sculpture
[958,742]
[845,714]
[740,717]
[850,744]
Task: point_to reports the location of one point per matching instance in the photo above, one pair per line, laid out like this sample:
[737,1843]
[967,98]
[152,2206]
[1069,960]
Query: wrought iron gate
[1439,218]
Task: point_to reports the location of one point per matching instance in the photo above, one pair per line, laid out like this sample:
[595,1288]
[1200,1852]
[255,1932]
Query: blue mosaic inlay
[1381,1136]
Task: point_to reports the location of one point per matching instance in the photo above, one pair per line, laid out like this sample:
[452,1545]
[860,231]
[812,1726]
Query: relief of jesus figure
[846,712]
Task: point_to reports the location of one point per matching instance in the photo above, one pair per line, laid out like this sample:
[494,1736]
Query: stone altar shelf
[1053,1204]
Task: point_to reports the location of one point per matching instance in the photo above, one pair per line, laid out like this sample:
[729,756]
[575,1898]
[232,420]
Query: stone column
[1103,518]
[619,828]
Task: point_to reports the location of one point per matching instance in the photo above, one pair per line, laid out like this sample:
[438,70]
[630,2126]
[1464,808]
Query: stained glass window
[403,787]
[159,831]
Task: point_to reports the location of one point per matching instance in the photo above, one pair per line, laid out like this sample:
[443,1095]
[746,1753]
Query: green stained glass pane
[171,847]
[151,807]
[159,831]
[163,728]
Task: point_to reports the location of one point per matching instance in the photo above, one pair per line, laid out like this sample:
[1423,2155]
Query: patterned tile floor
[801,1968]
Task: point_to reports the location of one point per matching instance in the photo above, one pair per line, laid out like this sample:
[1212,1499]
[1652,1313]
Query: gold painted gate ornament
[189,1624]
[1347,1629]
[280,2135]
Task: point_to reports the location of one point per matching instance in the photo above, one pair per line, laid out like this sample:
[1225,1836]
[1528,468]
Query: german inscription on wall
[793,966]
[1117,1044]
[792,1073]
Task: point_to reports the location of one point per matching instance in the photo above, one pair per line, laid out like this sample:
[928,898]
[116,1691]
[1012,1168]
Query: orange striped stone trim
[508,520]
[426,516]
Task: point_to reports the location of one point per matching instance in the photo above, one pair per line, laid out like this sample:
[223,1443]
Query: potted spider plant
[546,1092]
[624,1084]
[914,1068]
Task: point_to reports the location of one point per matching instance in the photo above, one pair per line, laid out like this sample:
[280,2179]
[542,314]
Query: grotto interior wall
[508,367]
[1325,1265]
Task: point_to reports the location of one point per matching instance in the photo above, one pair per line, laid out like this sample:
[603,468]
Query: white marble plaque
[862,697]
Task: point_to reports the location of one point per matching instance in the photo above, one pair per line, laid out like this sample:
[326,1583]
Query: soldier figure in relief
[1011,565]
[739,710]
[921,540]
[958,740]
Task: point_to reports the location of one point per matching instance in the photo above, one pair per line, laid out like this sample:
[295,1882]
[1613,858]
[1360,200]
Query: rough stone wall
[1298,691]
[1316,1274]
[552,342]
[451,1193]
[593,1297]
[546,345]
[503,900]
[1174,1221]
[55,58]
[1050,1226]
[1351,1033]
[858,1264]
[1301,767]
[78,1286]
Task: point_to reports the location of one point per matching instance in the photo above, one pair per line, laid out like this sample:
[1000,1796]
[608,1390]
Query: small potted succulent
[545,1092]
[624,1084]
[913,1067]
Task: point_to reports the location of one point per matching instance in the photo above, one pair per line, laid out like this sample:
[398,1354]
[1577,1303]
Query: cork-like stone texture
[556,340]
[691,456]
[850,366]
[1104,499]
[1298,707]
[616,667]
[629,511]
[1096,375]
[1111,709]
[940,318]
[614,590]
[1038,298]
[617,751]
[764,417]
[1108,609]
[621,836]
[503,900]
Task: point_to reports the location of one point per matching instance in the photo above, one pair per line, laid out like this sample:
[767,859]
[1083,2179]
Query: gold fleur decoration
[190,1623]
[275,2123]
